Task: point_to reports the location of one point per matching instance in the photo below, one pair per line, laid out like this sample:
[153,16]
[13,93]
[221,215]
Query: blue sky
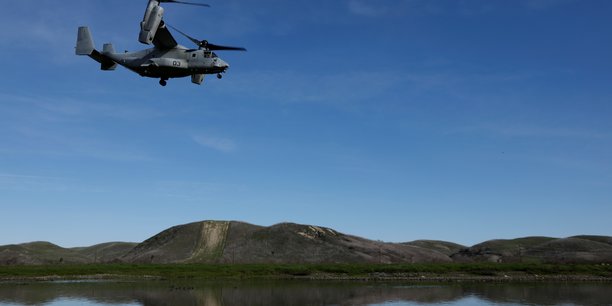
[390,119]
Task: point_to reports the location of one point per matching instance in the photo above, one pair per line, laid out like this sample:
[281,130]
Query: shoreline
[377,277]
[437,273]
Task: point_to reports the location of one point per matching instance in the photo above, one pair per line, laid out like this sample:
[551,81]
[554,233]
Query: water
[300,293]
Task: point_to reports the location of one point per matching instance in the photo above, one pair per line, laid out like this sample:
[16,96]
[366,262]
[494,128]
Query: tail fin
[85,44]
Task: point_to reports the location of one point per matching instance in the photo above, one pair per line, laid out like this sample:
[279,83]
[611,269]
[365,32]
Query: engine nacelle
[149,25]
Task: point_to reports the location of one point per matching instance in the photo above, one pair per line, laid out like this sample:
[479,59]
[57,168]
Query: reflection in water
[300,293]
[84,302]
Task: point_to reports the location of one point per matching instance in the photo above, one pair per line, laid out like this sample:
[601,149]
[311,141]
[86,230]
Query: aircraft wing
[163,39]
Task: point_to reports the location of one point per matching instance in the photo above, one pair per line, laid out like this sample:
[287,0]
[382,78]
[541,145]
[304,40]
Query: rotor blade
[214,47]
[195,41]
[205,44]
[184,2]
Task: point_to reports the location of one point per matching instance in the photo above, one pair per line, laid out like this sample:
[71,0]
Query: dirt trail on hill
[212,241]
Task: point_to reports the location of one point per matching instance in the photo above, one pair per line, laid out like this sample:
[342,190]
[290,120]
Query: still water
[300,293]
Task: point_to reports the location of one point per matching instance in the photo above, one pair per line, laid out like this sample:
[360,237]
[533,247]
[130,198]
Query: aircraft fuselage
[174,63]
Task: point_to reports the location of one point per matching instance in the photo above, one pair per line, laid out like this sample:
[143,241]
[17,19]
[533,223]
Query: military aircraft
[167,59]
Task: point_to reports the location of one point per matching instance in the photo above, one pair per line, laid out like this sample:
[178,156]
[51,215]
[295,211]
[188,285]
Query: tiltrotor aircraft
[167,59]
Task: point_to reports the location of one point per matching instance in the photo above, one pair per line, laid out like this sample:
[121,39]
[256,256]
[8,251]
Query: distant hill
[238,242]
[572,250]
[444,247]
[36,253]
[499,250]
[602,239]
[39,253]
[578,249]
[105,252]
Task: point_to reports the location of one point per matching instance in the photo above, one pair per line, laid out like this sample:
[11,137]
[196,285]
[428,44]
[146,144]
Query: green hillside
[231,242]
[444,247]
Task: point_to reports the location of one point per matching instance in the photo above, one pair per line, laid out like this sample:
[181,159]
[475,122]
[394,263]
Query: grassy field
[331,271]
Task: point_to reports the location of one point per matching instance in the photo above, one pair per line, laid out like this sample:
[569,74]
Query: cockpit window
[209,54]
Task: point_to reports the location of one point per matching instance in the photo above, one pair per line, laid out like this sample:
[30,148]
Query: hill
[36,253]
[572,250]
[444,247]
[39,253]
[105,252]
[230,242]
[237,242]
[577,249]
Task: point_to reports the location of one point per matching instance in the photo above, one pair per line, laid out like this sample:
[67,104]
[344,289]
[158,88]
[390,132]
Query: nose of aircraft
[221,64]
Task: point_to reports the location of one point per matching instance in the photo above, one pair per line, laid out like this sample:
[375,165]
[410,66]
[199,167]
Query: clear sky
[389,119]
